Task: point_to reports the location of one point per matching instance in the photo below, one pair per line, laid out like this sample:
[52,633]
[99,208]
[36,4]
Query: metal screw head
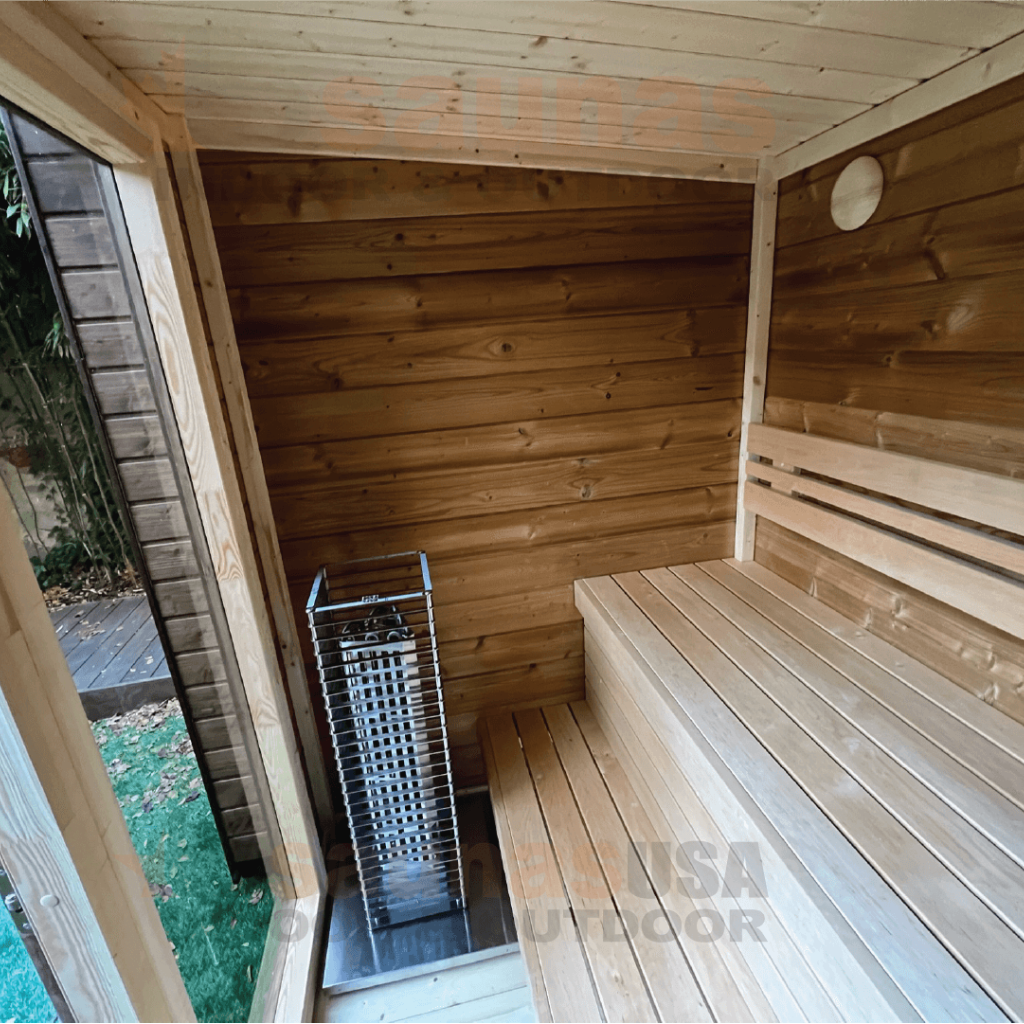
[12,903]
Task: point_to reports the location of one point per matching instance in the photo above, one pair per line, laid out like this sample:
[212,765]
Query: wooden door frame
[61,828]
[49,71]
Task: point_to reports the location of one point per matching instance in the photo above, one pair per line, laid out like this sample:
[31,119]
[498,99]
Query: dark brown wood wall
[533,376]
[907,334]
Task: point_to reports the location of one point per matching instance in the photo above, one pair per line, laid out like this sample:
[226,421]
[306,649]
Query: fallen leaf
[256,897]
[183,859]
[248,973]
[234,921]
[208,928]
[183,844]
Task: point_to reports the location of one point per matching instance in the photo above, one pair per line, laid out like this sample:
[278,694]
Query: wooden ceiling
[647,87]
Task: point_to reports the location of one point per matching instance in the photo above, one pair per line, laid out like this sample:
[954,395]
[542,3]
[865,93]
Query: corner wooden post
[150,211]
[196,215]
[759,310]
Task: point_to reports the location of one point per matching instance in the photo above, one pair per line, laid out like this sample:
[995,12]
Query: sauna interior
[685,341]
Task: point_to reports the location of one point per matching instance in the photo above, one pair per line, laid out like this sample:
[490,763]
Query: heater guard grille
[376,651]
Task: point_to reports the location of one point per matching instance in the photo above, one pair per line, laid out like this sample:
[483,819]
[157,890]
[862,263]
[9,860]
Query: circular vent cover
[857,193]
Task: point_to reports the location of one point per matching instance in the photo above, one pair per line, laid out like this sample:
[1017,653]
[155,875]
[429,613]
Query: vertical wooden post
[147,198]
[759,309]
[250,466]
[61,828]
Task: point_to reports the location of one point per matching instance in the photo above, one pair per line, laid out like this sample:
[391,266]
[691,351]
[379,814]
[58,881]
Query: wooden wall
[533,376]
[906,334]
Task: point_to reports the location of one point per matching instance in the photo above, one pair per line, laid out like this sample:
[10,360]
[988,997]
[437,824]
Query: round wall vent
[857,193]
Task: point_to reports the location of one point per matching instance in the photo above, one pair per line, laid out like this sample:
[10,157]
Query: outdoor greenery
[22,996]
[218,927]
[45,422]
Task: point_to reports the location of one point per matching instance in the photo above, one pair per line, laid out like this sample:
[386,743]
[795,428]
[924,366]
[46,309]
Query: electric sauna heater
[376,652]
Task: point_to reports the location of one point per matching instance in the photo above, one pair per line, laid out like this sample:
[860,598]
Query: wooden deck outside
[114,653]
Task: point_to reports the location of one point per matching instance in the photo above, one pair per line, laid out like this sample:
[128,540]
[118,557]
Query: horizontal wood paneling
[383,500]
[342,307]
[548,388]
[581,437]
[905,335]
[328,364]
[983,660]
[442,405]
[498,241]
[251,190]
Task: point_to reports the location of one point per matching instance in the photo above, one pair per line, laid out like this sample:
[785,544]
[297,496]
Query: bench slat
[962,539]
[790,677]
[664,964]
[558,963]
[729,661]
[776,967]
[981,718]
[938,988]
[514,880]
[987,498]
[616,975]
[723,762]
[936,728]
[976,591]
[720,970]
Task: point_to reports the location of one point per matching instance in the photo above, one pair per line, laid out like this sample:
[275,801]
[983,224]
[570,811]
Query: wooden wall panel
[905,335]
[533,377]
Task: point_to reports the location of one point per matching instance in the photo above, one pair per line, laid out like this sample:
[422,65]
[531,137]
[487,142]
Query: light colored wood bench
[886,803]
[607,928]
[861,813]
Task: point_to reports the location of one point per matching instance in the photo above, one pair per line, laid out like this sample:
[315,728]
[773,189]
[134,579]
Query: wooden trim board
[120,965]
[755,368]
[997,64]
[250,465]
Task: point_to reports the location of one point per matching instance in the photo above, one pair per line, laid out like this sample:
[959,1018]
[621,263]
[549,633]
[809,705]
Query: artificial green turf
[22,996]
[218,929]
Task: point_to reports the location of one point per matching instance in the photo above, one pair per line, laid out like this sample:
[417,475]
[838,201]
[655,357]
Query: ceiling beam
[458,148]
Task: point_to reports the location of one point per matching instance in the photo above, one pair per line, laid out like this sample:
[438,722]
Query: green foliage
[43,408]
[218,928]
[60,564]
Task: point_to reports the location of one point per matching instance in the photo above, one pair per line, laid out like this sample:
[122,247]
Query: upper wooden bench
[845,825]
[883,800]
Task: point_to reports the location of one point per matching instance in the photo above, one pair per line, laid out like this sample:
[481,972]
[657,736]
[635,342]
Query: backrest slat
[875,531]
[987,498]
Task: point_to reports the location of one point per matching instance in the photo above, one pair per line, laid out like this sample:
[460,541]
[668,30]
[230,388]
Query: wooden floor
[886,804]
[486,986]
[114,654]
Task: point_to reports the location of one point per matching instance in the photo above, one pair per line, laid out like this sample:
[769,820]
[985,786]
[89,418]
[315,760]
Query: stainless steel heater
[376,650]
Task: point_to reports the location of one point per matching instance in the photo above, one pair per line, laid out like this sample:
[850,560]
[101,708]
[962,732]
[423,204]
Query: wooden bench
[606,925]
[846,825]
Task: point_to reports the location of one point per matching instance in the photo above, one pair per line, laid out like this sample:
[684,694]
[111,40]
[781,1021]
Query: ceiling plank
[978,25]
[292,44]
[691,135]
[989,69]
[319,26]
